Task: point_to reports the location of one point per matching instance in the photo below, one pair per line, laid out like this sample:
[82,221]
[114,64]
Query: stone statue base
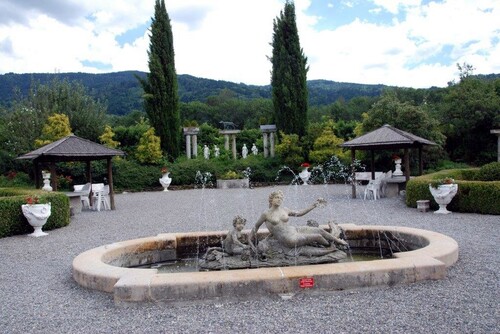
[270,253]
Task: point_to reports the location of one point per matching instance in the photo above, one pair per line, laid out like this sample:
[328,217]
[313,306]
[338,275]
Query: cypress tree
[289,74]
[161,99]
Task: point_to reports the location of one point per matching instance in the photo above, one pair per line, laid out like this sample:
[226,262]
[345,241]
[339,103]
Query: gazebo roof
[72,148]
[386,137]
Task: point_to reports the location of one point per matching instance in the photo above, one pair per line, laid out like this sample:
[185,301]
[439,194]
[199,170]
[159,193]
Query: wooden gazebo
[387,138]
[73,148]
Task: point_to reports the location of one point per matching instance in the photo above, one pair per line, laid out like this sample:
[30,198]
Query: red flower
[305,164]
[32,199]
[395,157]
[164,170]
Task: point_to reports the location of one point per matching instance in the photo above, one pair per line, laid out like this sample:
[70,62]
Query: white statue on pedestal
[255,150]
[206,152]
[216,151]
[244,151]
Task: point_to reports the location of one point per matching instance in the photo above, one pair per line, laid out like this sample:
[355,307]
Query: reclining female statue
[309,238]
[286,245]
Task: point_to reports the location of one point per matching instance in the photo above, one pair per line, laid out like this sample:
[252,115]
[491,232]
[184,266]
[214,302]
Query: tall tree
[289,75]
[468,112]
[161,99]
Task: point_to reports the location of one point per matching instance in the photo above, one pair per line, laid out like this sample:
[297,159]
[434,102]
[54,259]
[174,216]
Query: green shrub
[12,220]
[489,172]
[472,196]
[131,176]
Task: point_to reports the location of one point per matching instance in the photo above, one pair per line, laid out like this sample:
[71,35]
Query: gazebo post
[407,165]
[372,163]
[420,161]
[353,171]
[88,174]
[110,183]
[37,174]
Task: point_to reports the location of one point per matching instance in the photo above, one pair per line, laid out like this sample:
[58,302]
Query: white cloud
[230,39]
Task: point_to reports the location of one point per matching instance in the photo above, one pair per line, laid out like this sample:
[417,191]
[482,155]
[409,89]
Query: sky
[405,43]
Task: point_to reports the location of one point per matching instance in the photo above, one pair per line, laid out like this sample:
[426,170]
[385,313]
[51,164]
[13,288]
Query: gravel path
[39,295]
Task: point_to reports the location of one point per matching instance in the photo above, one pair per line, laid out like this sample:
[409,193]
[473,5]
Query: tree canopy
[289,75]
[161,100]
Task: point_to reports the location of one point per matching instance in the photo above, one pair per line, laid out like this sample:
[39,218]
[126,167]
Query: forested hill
[122,90]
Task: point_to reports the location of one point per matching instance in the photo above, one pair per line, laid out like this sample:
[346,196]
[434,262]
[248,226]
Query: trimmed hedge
[12,220]
[472,196]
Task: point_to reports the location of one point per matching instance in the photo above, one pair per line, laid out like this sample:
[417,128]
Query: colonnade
[268,134]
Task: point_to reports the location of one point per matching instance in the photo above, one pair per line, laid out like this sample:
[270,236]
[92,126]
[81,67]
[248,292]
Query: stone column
[268,132]
[195,145]
[188,146]
[191,132]
[266,148]
[232,134]
[234,146]
[271,141]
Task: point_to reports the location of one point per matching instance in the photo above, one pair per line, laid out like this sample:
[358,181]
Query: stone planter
[165,181]
[37,215]
[443,195]
[233,183]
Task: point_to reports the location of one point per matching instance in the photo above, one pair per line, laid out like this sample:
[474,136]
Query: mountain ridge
[123,92]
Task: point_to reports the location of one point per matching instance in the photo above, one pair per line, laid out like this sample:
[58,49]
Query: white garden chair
[374,187]
[100,196]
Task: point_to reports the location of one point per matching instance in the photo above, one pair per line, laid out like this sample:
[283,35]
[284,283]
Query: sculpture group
[285,244]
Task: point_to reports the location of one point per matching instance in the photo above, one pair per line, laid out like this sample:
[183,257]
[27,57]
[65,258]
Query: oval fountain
[415,255]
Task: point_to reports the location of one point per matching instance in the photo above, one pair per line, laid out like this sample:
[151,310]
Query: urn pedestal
[37,215]
[46,181]
[305,175]
[397,170]
[165,181]
[443,195]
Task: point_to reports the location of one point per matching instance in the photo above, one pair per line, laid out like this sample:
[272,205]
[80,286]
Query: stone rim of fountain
[99,269]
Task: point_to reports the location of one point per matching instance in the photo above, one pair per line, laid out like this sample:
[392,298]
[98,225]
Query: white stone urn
[304,175]
[37,215]
[165,181]
[443,195]
[397,171]
[46,181]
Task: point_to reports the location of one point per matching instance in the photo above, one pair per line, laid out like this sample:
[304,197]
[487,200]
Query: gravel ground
[39,295]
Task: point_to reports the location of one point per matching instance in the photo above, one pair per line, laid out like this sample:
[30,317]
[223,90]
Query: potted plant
[443,192]
[165,180]
[36,213]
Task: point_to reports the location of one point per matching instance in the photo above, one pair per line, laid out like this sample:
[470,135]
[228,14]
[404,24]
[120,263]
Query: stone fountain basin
[104,268]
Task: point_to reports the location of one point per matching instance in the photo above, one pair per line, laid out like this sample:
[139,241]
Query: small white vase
[165,181]
[37,215]
[443,195]
[397,171]
[304,175]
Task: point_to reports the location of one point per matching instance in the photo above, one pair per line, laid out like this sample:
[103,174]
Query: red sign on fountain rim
[306,282]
